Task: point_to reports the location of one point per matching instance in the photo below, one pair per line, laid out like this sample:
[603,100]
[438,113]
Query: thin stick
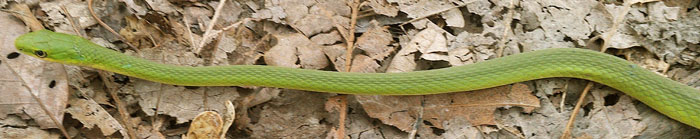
[71,21]
[40,102]
[567,130]
[189,32]
[563,98]
[355,6]
[123,115]
[103,24]
[506,29]
[207,33]
[416,124]
[343,113]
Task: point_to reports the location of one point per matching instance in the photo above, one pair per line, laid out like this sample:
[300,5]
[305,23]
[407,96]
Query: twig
[506,29]
[207,33]
[71,21]
[563,98]
[189,31]
[124,116]
[419,120]
[355,6]
[567,130]
[343,114]
[103,24]
[39,101]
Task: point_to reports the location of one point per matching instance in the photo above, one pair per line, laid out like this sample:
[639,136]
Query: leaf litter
[393,36]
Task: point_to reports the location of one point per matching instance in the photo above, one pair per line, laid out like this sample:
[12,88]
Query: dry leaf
[291,46]
[47,80]
[418,9]
[404,60]
[27,133]
[296,110]
[383,7]
[78,9]
[336,53]
[327,38]
[133,7]
[453,18]
[362,63]
[248,50]
[207,125]
[476,107]
[375,42]
[91,114]
[621,119]
[179,102]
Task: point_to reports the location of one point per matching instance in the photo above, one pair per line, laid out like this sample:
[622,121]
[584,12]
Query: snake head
[51,46]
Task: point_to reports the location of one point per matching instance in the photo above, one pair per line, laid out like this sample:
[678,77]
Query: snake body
[676,100]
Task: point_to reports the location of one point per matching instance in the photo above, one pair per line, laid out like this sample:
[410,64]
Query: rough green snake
[676,100]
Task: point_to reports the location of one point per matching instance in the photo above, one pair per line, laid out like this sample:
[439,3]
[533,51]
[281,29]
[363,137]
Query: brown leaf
[207,125]
[477,107]
[363,63]
[296,47]
[47,80]
[179,102]
[383,7]
[336,53]
[296,110]
[91,114]
[375,42]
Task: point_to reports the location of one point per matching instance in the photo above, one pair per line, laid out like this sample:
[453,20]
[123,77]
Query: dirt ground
[41,99]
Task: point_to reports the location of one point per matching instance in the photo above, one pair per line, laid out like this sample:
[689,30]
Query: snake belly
[671,98]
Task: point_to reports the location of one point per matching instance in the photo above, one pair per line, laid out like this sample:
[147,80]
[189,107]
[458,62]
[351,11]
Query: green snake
[676,100]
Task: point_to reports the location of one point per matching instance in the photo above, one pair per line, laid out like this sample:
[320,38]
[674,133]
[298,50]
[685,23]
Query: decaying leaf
[375,42]
[658,35]
[294,110]
[207,125]
[91,114]
[46,80]
[383,7]
[296,47]
[180,102]
[27,133]
[476,107]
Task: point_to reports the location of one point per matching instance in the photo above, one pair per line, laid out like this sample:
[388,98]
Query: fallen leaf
[336,53]
[27,133]
[297,110]
[362,63]
[375,42]
[431,42]
[207,125]
[327,38]
[46,80]
[293,48]
[179,102]
[453,18]
[91,114]
[383,7]
[477,107]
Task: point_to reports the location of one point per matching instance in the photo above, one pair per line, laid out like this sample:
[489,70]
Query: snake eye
[40,53]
